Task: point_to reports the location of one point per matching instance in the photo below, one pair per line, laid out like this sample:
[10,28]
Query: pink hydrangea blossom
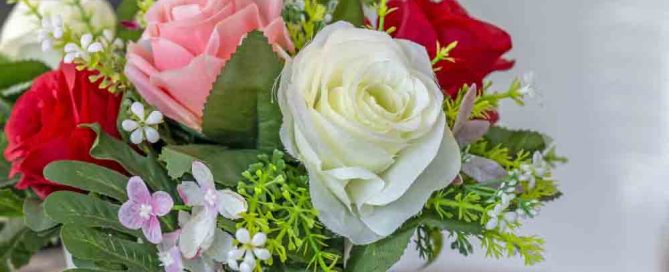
[143,209]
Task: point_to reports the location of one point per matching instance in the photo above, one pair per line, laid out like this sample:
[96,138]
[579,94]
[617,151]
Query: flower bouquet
[261,135]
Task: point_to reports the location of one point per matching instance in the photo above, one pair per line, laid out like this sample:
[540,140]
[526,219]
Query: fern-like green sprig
[280,206]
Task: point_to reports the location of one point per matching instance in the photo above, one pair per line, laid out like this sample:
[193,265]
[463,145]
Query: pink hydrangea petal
[177,265]
[190,193]
[152,231]
[231,204]
[198,231]
[161,100]
[169,240]
[129,217]
[137,191]
[191,84]
[228,38]
[203,175]
[162,203]
[169,55]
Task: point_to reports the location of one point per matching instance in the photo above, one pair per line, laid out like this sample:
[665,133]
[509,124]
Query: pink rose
[187,43]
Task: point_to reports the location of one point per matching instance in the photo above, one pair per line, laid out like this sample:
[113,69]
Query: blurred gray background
[602,70]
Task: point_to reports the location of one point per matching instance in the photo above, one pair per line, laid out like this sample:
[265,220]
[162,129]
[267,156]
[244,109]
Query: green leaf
[35,217]
[89,177]
[517,140]
[90,244]
[13,73]
[433,220]
[226,165]
[18,244]
[106,147]
[11,205]
[269,122]
[231,112]
[350,11]
[73,208]
[126,11]
[381,255]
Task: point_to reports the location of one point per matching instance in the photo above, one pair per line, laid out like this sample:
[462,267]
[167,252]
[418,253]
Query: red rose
[43,126]
[480,44]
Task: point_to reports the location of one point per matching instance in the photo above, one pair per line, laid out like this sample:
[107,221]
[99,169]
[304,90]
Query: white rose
[19,39]
[362,111]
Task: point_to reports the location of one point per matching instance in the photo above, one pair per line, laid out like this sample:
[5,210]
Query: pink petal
[129,217]
[152,231]
[186,11]
[192,84]
[466,107]
[194,33]
[137,191]
[269,9]
[161,203]
[190,193]
[177,265]
[471,131]
[277,33]
[203,175]
[168,55]
[169,240]
[159,99]
[227,38]
[231,204]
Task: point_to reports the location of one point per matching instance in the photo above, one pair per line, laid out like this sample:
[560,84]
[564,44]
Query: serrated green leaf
[106,147]
[381,255]
[11,205]
[269,122]
[516,140]
[350,11]
[73,208]
[89,177]
[35,217]
[226,165]
[231,113]
[13,73]
[94,245]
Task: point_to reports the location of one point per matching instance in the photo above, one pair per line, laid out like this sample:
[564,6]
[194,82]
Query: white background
[602,68]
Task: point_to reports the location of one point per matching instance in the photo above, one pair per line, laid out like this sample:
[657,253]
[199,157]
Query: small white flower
[248,250]
[108,39]
[538,168]
[142,127]
[51,30]
[82,50]
[527,88]
[497,216]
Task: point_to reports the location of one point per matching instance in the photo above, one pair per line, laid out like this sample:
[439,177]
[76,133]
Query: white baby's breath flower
[538,168]
[108,39]
[143,126]
[499,219]
[82,50]
[248,250]
[51,31]
[527,88]
[363,112]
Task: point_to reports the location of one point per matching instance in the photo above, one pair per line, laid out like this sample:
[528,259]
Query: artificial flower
[529,171]
[187,43]
[363,112]
[248,250]
[499,218]
[82,50]
[141,125]
[465,130]
[208,203]
[143,209]
[18,39]
[44,125]
[213,252]
[52,29]
[169,254]
[480,45]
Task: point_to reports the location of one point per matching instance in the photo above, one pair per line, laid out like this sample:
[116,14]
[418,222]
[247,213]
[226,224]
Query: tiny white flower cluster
[82,50]
[498,218]
[529,212]
[143,126]
[527,85]
[538,168]
[88,46]
[51,31]
[248,250]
